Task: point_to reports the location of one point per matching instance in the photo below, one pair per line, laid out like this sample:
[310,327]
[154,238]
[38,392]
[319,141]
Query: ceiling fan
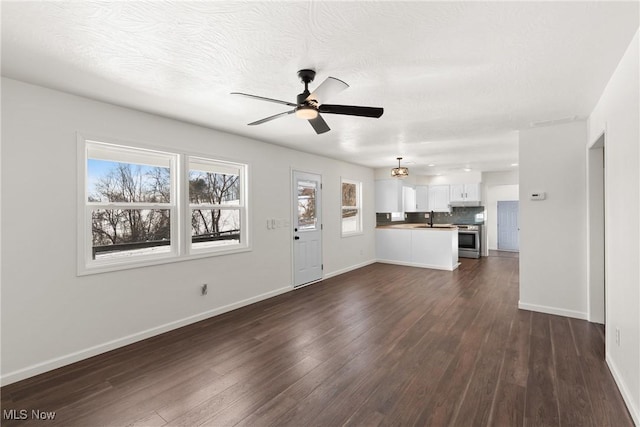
[308,105]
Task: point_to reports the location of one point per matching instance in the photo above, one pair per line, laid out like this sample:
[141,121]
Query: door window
[307,218]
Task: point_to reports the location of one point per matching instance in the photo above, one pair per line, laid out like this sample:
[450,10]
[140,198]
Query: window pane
[214,227]
[306,205]
[349,194]
[109,181]
[206,187]
[350,221]
[119,233]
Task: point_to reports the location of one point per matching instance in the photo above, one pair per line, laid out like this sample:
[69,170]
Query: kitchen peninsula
[418,245]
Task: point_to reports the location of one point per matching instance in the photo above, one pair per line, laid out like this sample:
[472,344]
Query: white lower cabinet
[437,248]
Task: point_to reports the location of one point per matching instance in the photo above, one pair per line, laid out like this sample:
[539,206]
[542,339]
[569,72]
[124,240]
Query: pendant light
[399,172]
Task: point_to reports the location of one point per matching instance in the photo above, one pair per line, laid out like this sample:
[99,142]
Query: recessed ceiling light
[431,165]
[514,164]
[467,169]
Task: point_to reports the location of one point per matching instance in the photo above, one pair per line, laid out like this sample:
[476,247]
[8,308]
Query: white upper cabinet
[422,198]
[472,192]
[409,199]
[389,195]
[439,198]
[465,193]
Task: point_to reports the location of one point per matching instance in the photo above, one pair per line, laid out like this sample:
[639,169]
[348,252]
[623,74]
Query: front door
[307,228]
[508,226]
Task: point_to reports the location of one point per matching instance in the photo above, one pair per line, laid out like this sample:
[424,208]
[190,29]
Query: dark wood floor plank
[381,345]
[573,397]
[541,404]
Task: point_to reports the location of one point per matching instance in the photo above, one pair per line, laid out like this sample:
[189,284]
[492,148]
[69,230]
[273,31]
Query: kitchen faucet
[431,219]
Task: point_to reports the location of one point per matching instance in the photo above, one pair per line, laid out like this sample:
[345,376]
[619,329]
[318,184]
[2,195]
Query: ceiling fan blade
[262,98]
[319,125]
[331,86]
[268,119]
[351,110]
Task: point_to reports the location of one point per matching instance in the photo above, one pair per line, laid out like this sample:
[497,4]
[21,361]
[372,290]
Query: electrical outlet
[618,336]
[203,289]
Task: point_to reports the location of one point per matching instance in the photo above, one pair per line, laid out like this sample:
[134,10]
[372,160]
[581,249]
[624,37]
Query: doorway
[596,230]
[508,226]
[307,228]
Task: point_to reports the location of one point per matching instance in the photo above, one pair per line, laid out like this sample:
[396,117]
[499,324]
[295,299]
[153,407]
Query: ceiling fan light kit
[306,112]
[308,104]
[399,172]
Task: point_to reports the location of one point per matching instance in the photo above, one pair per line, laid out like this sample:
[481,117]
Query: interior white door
[508,226]
[307,228]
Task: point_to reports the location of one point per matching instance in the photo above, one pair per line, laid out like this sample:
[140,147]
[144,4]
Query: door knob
[297,238]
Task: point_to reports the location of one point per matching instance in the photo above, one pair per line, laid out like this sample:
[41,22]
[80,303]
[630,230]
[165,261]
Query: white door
[508,226]
[307,228]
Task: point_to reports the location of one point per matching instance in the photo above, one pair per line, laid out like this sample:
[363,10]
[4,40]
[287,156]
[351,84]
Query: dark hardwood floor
[382,345]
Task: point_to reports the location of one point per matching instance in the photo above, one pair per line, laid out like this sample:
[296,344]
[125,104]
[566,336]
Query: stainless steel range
[468,240]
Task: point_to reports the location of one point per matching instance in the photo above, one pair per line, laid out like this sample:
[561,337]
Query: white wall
[491,179]
[472,177]
[51,317]
[617,115]
[552,231]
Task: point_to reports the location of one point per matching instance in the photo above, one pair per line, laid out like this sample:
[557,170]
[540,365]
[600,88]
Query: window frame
[179,207]
[360,228]
[241,207]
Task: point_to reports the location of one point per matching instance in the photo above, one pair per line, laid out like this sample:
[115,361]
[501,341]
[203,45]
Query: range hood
[465,203]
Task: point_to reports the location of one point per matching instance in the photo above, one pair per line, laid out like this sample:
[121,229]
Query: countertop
[440,227]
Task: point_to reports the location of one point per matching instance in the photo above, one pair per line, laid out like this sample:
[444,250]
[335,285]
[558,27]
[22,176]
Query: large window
[133,215]
[351,207]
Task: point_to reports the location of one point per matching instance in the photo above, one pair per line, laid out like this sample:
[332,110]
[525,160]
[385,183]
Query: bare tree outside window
[132,215]
[118,230]
[306,205]
[215,199]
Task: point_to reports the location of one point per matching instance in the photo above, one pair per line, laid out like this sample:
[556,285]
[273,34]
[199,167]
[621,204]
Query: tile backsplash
[458,215]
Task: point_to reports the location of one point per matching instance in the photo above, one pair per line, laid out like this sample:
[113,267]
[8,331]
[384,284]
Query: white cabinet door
[457,193]
[465,192]
[389,195]
[439,198]
[422,198]
[472,192]
[409,199]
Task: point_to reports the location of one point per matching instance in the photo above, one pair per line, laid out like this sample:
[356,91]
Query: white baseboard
[626,396]
[552,310]
[58,362]
[348,269]
[415,264]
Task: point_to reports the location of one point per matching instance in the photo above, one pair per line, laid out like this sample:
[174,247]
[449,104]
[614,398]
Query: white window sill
[98,268]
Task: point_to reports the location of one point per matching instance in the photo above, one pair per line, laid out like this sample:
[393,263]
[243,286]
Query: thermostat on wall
[540,195]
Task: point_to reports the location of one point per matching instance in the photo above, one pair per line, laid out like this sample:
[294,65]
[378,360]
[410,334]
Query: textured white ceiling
[457,80]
